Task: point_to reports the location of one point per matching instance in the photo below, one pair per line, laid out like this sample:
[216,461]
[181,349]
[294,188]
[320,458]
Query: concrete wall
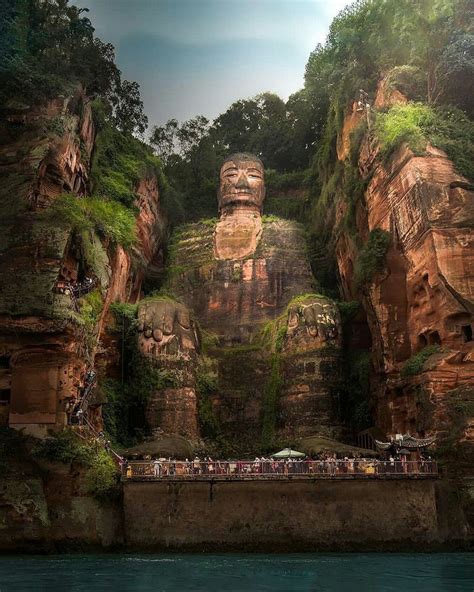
[281,516]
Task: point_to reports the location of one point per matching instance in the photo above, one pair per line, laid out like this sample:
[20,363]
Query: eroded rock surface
[46,347]
[424,297]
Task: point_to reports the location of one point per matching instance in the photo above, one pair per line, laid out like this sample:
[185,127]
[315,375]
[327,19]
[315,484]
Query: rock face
[46,348]
[424,297]
[239,276]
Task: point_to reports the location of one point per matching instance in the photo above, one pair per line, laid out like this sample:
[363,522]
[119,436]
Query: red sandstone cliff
[45,345]
[425,294]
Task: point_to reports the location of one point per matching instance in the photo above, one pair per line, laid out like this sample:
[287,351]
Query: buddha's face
[242,183]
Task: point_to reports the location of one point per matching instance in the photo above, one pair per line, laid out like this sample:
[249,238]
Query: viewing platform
[270,470]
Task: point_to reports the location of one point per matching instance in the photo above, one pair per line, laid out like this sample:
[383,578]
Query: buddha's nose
[242,182]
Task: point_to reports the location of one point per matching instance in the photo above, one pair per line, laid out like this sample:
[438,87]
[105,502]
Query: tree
[128,108]
[163,139]
[48,48]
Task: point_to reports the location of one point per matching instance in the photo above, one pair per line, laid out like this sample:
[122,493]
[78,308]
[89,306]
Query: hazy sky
[196,57]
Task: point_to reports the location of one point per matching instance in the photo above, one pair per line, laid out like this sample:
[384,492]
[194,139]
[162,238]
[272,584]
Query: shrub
[354,393]
[91,308]
[107,218]
[371,258]
[403,123]
[101,476]
[64,447]
[415,364]
[124,310]
[447,128]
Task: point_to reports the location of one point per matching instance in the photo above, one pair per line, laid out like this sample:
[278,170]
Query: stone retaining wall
[281,516]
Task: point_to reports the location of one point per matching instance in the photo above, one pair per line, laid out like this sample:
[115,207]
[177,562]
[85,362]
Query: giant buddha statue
[246,282]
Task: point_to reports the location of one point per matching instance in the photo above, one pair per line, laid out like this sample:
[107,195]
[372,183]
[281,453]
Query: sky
[196,57]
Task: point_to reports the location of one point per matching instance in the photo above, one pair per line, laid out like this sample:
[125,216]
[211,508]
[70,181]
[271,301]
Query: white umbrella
[288,453]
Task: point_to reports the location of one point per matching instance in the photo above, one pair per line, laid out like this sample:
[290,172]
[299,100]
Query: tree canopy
[48,48]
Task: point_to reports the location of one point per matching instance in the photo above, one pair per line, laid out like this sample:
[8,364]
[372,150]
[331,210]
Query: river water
[378,572]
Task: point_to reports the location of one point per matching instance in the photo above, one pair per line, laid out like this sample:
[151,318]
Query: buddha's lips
[241,194]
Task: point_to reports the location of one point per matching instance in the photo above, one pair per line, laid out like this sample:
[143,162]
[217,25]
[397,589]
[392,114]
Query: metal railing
[80,404]
[268,469]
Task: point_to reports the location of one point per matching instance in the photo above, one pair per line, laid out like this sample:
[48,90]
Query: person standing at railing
[157,468]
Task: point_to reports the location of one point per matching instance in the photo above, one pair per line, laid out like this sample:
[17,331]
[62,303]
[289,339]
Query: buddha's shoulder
[282,234]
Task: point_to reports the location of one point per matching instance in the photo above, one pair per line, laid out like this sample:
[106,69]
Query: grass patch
[91,306]
[447,128]
[119,162]
[415,364]
[109,219]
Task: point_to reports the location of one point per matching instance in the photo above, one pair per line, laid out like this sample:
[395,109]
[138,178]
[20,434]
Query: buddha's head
[242,183]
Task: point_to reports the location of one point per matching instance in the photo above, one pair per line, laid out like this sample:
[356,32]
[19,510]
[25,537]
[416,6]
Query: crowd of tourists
[328,465]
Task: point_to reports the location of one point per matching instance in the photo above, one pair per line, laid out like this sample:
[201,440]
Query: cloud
[198,56]
[204,22]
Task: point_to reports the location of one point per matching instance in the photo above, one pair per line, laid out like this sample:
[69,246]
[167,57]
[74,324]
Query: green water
[248,573]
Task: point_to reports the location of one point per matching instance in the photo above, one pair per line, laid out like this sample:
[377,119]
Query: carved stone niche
[42,383]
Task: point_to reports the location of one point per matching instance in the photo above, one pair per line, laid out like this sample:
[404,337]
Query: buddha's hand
[168,326]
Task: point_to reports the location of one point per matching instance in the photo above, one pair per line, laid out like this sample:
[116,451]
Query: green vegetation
[192,152]
[124,310]
[453,449]
[409,80]
[89,214]
[91,306]
[206,384]
[417,123]
[48,49]
[348,310]
[90,309]
[403,123]
[101,477]
[426,48]
[415,364]
[127,397]
[270,403]
[355,389]
[371,258]
[119,162]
